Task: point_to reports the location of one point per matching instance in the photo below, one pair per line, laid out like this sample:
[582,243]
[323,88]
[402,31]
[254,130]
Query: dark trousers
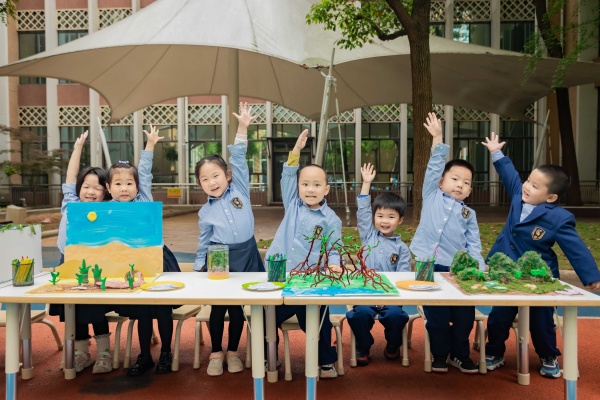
[541,326]
[327,353]
[217,325]
[362,318]
[449,327]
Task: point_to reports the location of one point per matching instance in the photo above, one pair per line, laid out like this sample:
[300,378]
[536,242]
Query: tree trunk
[567,142]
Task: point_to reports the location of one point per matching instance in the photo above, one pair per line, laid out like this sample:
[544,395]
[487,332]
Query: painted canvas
[355,286]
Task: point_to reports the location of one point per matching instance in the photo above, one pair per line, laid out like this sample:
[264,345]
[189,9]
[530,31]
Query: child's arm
[474,241]
[434,126]
[145,165]
[203,243]
[437,160]
[240,173]
[504,166]
[73,167]
[289,179]
[405,259]
[364,213]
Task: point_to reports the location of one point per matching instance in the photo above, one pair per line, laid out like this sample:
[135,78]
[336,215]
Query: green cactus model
[97,273]
[461,261]
[83,271]
[534,267]
[81,279]
[102,283]
[54,279]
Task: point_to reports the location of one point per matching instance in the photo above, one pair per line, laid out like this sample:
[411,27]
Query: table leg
[570,368]
[258,355]
[523,351]
[11,367]
[312,351]
[27,368]
[70,341]
[272,373]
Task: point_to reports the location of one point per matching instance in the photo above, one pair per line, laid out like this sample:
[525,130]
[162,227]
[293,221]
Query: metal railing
[484,193]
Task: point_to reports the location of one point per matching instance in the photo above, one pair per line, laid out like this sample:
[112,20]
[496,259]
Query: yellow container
[22,272]
[218,261]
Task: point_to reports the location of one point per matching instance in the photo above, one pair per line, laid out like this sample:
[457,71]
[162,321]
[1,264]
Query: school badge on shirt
[237,203]
[466,212]
[537,233]
[394,259]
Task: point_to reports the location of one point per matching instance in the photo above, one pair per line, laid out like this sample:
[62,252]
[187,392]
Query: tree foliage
[8,9]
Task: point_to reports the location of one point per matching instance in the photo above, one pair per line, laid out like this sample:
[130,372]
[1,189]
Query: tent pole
[104,145]
[337,109]
[322,138]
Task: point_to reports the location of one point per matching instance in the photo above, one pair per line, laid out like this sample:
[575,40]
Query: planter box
[15,243]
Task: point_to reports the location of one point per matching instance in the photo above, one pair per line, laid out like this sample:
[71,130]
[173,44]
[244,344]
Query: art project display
[110,247]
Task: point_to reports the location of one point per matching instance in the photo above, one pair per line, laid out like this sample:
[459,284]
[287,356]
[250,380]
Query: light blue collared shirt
[446,224]
[299,222]
[229,218]
[391,253]
[527,208]
[69,196]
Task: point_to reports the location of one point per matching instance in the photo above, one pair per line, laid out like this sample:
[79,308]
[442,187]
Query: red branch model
[320,271]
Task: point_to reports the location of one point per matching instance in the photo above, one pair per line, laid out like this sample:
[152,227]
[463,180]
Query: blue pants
[541,326]
[327,353]
[449,327]
[362,318]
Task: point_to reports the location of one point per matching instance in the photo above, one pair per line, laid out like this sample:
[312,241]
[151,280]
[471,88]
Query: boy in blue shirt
[389,254]
[447,226]
[535,222]
[307,215]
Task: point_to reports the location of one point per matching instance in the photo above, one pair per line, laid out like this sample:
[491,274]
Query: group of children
[447,225]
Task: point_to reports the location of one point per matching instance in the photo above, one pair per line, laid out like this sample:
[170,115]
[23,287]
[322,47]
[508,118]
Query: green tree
[32,161]
[8,9]
[360,23]
[562,36]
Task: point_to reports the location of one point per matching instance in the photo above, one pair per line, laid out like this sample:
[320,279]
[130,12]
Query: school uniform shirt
[388,254]
[69,196]
[545,225]
[229,218]
[300,222]
[447,225]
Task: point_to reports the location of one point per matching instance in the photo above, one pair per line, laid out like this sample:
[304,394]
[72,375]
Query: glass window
[289,130]
[333,157]
[474,33]
[68,135]
[437,29]
[468,136]
[120,142]
[66,37]
[31,43]
[519,145]
[164,162]
[203,141]
[380,146]
[514,35]
[35,145]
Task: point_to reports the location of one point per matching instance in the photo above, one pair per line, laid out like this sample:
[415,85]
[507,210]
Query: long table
[198,290]
[448,295]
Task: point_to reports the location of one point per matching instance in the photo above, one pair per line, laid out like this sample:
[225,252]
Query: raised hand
[245,116]
[152,137]
[81,140]
[433,125]
[493,143]
[368,173]
[301,142]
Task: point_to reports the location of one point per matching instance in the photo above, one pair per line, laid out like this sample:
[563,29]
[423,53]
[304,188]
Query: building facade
[58,111]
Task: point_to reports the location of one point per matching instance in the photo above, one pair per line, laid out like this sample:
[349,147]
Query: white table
[451,296]
[198,290]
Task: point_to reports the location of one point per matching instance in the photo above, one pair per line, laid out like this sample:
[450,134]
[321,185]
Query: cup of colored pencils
[276,267]
[22,271]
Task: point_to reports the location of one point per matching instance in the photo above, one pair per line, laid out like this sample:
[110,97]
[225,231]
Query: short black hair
[560,180]
[391,201]
[124,165]
[213,158]
[457,162]
[311,165]
[102,179]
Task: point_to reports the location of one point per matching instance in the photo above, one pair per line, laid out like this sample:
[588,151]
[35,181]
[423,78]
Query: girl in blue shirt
[227,218]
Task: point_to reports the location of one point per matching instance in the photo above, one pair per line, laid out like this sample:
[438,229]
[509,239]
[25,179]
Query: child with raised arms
[227,218]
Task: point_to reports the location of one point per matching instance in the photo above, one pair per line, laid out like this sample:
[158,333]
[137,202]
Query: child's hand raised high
[81,140]
[368,173]
[433,125]
[301,142]
[245,117]
[152,137]
[493,143]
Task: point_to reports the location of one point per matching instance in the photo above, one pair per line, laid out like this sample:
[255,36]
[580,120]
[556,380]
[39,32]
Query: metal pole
[322,138]
[104,144]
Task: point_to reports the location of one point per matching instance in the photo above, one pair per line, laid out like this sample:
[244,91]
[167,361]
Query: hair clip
[123,162]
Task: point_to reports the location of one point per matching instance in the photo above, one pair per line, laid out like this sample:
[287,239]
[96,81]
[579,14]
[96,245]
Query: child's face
[312,186]
[213,179]
[457,182]
[122,187]
[91,189]
[535,189]
[386,220]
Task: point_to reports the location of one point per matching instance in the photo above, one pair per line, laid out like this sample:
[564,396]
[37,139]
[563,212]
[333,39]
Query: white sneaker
[215,364]
[103,363]
[82,360]
[328,373]
[234,363]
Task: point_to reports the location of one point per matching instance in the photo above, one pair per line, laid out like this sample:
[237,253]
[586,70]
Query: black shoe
[362,359]
[142,364]
[465,365]
[391,353]
[164,363]
[439,364]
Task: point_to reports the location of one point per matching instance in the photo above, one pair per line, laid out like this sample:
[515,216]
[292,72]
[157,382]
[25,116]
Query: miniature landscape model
[353,279]
[530,274]
[111,247]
